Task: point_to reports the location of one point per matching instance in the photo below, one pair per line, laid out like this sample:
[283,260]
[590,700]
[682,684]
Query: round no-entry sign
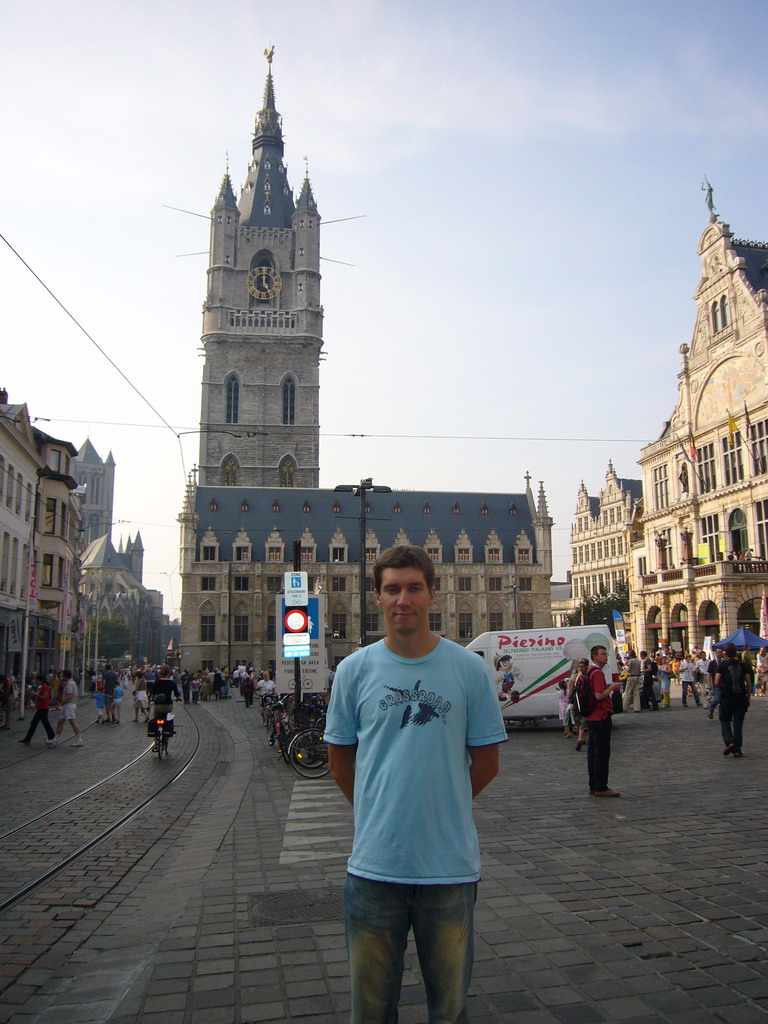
[296,621]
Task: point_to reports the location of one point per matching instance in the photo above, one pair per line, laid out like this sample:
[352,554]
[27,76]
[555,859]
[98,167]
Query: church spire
[266,200]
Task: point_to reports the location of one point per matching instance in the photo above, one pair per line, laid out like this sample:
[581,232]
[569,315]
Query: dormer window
[307,508]
[455,510]
[214,505]
[336,508]
[244,506]
[275,506]
[396,508]
[513,509]
[426,510]
[483,509]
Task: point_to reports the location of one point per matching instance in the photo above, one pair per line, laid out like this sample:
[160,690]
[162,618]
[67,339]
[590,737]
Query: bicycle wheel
[161,746]
[308,754]
[283,741]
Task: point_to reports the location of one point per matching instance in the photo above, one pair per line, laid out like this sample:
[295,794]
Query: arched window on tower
[233,399]
[287,471]
[229,470]
[289,401]
[725,313]
[715,317]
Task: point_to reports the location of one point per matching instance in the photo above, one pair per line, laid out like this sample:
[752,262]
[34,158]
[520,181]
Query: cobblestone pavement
[223,906]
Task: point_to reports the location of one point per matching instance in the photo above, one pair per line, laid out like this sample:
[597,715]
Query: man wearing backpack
[599,723]
[735,681]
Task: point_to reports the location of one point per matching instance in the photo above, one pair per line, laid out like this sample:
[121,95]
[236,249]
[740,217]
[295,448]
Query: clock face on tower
[264,282]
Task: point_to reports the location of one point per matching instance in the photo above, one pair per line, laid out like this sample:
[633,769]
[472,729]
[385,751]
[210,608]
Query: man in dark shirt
[734,680]
[110,682]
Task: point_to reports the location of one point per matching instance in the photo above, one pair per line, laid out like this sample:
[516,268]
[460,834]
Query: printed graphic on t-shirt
[430,705]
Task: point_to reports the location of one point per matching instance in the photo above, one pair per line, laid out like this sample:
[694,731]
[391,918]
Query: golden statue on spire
[269,54]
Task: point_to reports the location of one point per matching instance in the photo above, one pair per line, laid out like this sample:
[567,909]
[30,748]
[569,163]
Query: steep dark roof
[756,256]
[266,187]
[633,487]
[259,520]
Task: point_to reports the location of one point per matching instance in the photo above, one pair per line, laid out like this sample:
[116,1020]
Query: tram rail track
[25,840]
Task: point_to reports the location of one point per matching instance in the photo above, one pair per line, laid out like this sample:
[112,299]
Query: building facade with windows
[20,463]
[599,536]
[492,554]
[58,556]
[701,563]
[257,488]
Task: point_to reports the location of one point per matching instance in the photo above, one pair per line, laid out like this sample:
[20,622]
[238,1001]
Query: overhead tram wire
[400,437]
[96,345]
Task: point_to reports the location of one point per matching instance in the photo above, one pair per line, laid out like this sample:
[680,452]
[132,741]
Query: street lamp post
[360,490]
[513,590]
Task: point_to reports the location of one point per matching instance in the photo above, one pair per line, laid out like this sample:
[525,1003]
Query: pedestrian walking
[110,682]
[42,707]
[413,734]
[68,709]
[632,685]
[599,724]
[140,697]
[688,678]
[247,688]
[580,670]
[713,670]
[101,705]
[6,700]
[735,681]
[650,674]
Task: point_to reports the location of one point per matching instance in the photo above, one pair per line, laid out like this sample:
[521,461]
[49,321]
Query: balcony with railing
[672,579]
[262,321]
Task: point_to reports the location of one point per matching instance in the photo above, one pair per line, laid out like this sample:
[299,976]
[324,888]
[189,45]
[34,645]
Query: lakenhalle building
[258,491]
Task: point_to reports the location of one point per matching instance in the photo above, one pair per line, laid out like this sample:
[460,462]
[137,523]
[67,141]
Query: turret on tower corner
[262,324]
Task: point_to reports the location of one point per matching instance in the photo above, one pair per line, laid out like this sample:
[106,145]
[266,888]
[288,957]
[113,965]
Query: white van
[527,665]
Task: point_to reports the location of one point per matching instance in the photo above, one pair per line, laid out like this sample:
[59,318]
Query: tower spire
[266,199]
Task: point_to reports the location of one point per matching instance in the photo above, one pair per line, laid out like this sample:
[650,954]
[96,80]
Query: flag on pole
[732,428]
[692,447]
[764,616]
[747,424]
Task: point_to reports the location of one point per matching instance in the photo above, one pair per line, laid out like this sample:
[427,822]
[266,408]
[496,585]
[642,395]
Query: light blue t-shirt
[413,719]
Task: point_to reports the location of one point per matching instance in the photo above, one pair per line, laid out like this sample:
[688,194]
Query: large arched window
[725,313]
[715,316]
[289,401]
[233,399]
[286,471]
[229,468]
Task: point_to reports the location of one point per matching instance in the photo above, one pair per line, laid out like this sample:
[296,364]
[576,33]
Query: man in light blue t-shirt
[413,730]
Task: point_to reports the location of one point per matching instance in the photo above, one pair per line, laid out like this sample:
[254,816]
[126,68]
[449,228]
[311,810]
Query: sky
[513,295]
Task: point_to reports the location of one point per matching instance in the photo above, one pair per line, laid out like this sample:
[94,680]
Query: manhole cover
[307,905]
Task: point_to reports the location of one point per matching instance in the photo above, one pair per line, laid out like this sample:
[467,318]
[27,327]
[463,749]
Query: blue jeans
[378,917]
[685,684]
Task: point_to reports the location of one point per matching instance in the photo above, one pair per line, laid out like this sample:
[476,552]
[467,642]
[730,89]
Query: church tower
[262,325]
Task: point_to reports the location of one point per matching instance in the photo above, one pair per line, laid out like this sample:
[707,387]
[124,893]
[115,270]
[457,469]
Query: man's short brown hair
[403,556]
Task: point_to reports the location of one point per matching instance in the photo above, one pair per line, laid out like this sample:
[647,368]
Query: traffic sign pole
[296,661]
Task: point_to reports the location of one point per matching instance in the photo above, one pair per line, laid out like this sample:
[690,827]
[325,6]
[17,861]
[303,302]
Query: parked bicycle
[299,736]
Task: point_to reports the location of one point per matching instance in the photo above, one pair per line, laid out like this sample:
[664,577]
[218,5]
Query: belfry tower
[262,325]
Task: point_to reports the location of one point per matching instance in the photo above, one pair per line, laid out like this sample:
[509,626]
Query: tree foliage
[114,638]
[598,609]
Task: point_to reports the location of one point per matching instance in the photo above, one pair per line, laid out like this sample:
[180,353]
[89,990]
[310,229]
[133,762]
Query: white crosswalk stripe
[320,823]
